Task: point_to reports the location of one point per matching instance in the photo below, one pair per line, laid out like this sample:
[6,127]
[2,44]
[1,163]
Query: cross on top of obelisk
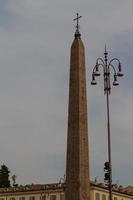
[77,19]
[77,25]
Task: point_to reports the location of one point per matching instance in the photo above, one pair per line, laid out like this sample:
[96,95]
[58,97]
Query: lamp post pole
[116,66]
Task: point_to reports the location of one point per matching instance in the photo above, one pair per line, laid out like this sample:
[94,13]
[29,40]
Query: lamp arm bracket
[100,59]
[110,65]
[99,64]
[114,59]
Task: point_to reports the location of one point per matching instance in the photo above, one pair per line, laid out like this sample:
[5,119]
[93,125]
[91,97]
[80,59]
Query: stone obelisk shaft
[77,166]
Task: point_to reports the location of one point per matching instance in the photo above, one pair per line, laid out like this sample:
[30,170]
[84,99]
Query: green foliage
[4,176]
[14,180]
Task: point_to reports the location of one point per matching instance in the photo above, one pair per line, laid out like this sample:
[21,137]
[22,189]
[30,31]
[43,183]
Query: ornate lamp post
[117,72]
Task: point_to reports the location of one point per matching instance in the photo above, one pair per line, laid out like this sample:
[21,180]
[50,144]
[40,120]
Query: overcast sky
[35,40]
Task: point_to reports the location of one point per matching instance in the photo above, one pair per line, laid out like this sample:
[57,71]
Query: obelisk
[77,164]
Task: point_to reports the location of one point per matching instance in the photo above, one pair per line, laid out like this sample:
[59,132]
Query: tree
[4,176]
[14,180]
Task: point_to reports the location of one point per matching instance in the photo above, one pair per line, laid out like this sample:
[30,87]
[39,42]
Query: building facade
[57,192]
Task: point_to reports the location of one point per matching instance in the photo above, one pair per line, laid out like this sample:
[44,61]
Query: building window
[97,196]
[12,198]
[32,198]
[62,196]
[53,197]
[43,196]
[115,198]
[103,197]
[21,198]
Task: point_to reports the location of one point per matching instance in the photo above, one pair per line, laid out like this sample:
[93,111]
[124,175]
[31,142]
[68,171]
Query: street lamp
[115,65]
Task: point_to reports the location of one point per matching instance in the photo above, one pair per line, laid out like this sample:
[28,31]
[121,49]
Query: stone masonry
[77,165]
